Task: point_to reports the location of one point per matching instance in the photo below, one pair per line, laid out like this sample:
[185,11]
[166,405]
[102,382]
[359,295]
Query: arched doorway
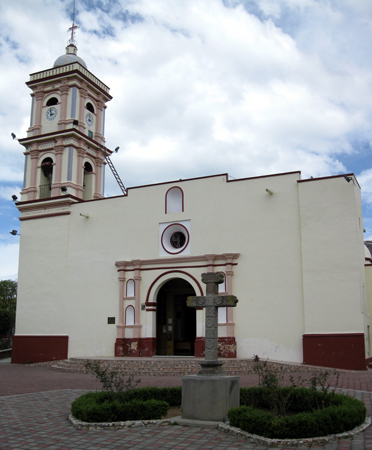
[175,321]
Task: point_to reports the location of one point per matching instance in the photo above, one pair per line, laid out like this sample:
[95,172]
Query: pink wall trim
[32,349]
[339,350]
[167,273]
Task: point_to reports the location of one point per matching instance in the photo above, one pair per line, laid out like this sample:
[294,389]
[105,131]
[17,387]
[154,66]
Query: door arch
[175,321]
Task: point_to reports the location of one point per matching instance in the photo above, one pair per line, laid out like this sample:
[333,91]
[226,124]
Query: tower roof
[69,57]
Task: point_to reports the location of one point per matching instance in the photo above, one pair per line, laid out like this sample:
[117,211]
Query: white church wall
[368,275]
[331,236]
[267,280]
[42,275]
[68,272]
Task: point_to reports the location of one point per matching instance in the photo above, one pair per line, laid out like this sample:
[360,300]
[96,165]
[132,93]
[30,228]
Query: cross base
[211,367]
[208,398]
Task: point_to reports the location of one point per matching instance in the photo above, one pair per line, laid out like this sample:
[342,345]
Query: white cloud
[365,181]
[6,192]
[200,88]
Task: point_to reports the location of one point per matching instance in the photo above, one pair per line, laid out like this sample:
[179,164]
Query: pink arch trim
[166,273]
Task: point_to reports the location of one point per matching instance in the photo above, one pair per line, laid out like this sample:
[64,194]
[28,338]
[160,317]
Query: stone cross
[211,302]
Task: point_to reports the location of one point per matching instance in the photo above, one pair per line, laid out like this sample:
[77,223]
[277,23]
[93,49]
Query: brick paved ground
[35,403]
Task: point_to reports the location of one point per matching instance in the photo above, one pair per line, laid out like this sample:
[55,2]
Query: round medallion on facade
[175,238]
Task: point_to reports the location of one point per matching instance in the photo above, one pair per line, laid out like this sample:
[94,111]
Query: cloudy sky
[200,87]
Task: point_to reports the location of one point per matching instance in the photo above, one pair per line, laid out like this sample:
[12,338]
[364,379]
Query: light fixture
[63,189]
[348,179]
[117,149]
[14,198]
[269,192]
[85,215]
[14,233]
[75,123]
[13,135]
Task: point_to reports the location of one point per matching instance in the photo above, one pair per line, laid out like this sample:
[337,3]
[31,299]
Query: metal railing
[45,191]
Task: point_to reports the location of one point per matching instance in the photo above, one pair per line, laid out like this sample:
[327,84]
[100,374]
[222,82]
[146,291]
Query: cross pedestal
[208,395]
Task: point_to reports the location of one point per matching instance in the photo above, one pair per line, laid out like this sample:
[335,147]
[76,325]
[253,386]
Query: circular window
[175,238]
[178,239]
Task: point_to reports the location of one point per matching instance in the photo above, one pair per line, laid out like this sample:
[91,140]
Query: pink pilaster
[120,326]
[229,311]
[137,281]
[210,259]
[79,175]
[97,188]
[56,186]
[99,124]
[83,96]
[64,90]
[32,191]
[38,111]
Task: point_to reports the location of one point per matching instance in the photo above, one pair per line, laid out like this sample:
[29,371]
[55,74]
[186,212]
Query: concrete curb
[292,442]
[79,425]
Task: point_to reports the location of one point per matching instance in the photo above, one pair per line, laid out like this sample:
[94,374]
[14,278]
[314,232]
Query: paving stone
[35,402]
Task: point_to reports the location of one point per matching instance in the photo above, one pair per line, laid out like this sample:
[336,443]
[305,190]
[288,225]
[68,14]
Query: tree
[8,302]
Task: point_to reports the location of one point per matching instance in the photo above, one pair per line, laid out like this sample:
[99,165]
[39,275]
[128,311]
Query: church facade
[110,276]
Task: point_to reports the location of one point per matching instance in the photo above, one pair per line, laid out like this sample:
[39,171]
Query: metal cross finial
[72,28]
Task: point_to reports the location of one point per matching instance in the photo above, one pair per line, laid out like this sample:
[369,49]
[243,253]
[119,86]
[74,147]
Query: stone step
[158,366]
[152,366]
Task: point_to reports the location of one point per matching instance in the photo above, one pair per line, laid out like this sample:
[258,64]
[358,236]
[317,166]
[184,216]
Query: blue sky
[200,87]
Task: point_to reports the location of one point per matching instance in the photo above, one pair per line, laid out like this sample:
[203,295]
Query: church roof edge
[342,175]
[226,175]
[76,68]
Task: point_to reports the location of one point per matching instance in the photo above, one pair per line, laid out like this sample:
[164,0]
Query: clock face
[89,119]
[51,113]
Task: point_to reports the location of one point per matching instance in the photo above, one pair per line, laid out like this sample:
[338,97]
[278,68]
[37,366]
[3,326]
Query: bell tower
[65,149]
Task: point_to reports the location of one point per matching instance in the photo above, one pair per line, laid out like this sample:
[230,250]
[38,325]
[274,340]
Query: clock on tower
[65,144]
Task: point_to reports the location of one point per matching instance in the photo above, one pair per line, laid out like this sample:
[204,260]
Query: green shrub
[314,413]
[111,379]
[101,407]
[7,321]
[173,396]
[150,403]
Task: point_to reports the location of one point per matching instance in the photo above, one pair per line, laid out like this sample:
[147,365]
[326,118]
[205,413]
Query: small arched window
[129,315]
[52,101]
[90,107]
[174,200]
[130,288]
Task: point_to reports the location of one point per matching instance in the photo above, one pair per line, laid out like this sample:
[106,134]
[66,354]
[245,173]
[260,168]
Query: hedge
[337,413]
[137,404]
[313,413]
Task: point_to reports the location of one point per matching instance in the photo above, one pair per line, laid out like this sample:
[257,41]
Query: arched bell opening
[88,181]
[175,321]
[46,177]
